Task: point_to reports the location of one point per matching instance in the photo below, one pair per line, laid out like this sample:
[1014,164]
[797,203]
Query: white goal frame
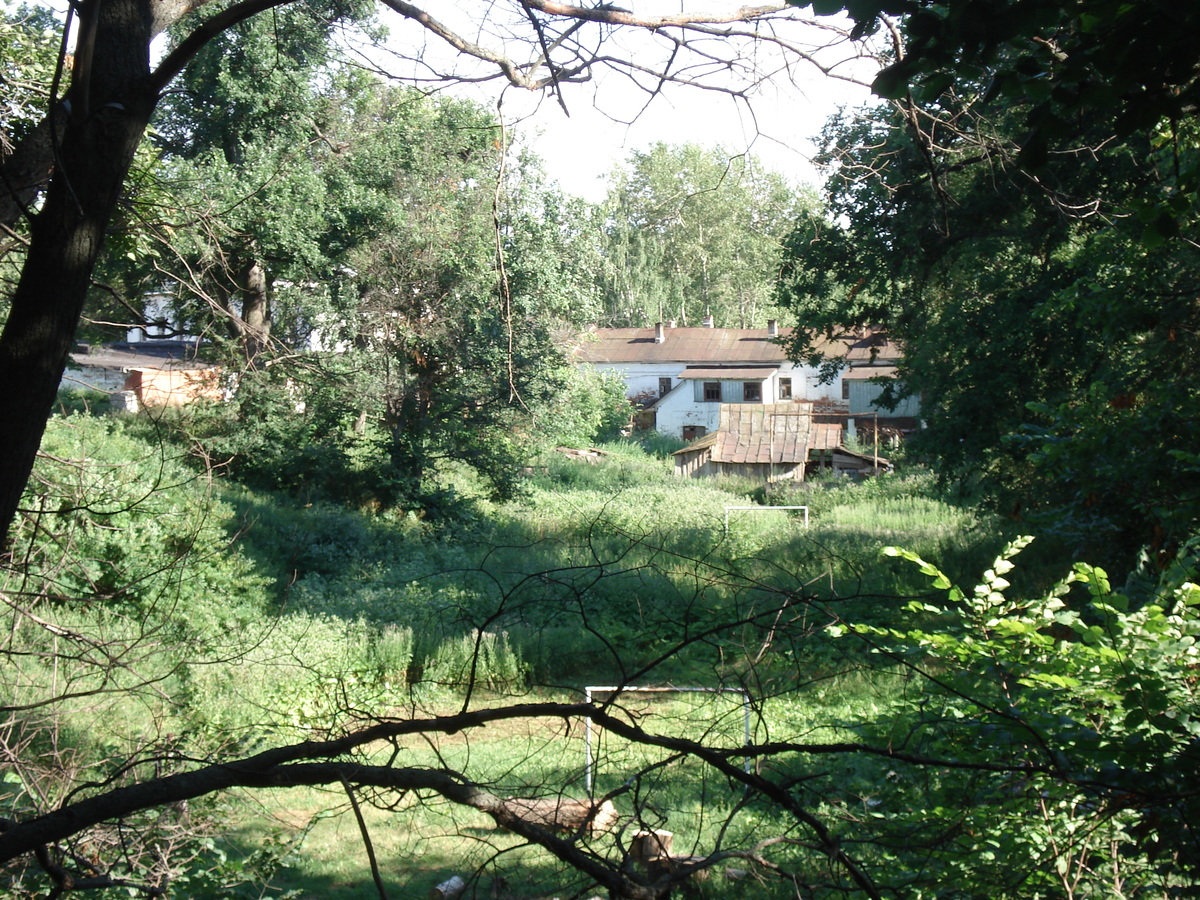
[588,691]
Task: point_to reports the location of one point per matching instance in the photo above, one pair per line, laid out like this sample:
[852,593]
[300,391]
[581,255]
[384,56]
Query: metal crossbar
[590,762]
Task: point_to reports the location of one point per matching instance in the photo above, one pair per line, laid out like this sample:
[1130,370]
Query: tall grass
[279,620]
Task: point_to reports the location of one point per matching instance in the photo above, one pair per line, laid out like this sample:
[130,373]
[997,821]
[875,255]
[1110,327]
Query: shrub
[480,659]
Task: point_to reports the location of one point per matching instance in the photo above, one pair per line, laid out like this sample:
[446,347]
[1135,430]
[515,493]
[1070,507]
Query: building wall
[96,378]
[863,395]
[166,387]
[679,409]
[641,379]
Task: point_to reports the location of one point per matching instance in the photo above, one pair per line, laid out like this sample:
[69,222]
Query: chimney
[772,328]
[671,324]
[660,333]
[707,322]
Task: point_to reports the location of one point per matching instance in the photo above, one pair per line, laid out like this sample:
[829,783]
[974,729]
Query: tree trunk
[110,105]
[256,312]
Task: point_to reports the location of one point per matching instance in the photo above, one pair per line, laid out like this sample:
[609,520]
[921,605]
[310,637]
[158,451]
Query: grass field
[604,574]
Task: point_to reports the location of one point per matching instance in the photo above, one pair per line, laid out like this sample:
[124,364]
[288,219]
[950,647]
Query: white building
[682,376]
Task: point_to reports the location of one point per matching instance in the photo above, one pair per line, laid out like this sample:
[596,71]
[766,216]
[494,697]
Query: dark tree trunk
[110,105]
[255,324]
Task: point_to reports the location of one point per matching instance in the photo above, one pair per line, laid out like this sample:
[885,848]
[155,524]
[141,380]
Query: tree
[114,92]
[814,844]
[694,232]
[985,261]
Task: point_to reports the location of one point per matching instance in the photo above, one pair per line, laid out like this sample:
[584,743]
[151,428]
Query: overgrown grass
[272,620]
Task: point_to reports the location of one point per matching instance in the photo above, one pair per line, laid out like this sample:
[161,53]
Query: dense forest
[362,627]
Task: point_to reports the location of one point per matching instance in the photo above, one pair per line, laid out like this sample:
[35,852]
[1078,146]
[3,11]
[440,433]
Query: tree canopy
[1043,296]
[1043,281]
[693,232]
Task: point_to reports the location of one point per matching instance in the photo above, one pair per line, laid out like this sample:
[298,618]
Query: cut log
[448,889]
[561,814]
[648,846]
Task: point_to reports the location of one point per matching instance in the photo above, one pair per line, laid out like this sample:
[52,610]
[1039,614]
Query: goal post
[591,690]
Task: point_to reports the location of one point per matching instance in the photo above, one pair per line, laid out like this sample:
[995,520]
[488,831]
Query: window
[712,392]
[785,389]
[845,388]
[752,391]
[691,432]
[664,386]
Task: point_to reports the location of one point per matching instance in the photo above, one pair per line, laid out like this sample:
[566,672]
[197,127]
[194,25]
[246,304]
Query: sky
[581,149]
[608,118]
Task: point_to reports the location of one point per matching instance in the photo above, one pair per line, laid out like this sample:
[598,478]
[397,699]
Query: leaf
[891,83]
[825,7]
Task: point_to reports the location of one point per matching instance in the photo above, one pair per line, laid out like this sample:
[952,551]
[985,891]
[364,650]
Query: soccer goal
[709,720]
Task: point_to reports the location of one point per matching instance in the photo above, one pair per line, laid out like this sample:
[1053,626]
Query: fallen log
[561,814]
[448,889]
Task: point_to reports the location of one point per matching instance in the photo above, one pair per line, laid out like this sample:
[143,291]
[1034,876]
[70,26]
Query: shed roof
[765,433]
[123,356]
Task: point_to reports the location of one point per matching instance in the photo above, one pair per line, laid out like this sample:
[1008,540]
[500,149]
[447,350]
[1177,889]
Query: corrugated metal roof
[684,345]
[719,345]
[738,373]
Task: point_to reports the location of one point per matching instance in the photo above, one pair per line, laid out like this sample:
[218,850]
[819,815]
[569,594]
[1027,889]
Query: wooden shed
[772,442]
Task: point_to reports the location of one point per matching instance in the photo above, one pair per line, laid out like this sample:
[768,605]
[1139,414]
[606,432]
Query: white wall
[679,408]
[641,378]
[685,405]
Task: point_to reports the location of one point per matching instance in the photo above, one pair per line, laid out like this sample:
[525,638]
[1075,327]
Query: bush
[481,659]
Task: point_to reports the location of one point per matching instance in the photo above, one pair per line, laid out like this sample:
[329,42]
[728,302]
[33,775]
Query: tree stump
[650,846]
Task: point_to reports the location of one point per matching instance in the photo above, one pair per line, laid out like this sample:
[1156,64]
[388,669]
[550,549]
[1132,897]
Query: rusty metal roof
[713,346]
[683,345]
[781,433]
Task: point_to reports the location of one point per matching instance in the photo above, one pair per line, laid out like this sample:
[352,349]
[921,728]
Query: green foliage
[28,55]
[1084,712]
[693,232]
[311,438]
[481,660]
[981,273]
[590,408]
[113,521]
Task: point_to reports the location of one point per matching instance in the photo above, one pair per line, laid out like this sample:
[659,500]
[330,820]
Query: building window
[691,432]
[712,392]
[664,386]
[752,392]
[785,389]
[845,388]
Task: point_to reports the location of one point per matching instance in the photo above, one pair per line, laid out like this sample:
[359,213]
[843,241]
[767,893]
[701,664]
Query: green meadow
[241,621]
